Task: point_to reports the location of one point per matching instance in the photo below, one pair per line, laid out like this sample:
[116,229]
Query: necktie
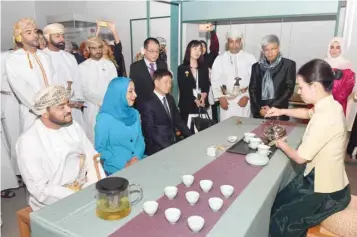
[152,69]
[166,106]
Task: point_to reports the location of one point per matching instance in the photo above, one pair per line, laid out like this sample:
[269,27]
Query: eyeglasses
[153,51]
[270,50]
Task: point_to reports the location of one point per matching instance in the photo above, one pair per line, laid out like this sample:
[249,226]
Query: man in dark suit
[160,116]
[141,72]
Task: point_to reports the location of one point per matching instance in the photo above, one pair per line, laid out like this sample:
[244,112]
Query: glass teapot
[113,198]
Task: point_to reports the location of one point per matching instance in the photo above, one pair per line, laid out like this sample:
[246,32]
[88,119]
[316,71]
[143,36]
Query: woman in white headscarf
[344,90]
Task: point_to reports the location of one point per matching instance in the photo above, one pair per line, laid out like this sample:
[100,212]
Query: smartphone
[103,23]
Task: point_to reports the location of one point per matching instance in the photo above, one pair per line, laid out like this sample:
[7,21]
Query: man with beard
[66,67]
[95,73]
[62,161]
[28,69]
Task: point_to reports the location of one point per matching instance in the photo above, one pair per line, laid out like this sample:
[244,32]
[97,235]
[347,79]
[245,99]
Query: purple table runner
[228,169]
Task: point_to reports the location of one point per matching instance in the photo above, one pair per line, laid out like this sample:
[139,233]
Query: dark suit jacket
[144,85]
[284,77]
[158,127]
[187,83]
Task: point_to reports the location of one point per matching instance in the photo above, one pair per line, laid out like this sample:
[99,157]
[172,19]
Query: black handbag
[200,122]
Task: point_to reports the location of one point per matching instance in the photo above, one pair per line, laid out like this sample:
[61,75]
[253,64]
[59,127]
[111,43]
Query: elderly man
[28,70]
[230,78]
[66,67]
[95,73]
[62,161]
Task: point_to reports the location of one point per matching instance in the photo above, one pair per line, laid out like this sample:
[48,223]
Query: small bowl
[232,139]
[248,136]
[170,192]
[187,180]
[227,190]
[206,185]
[150,207]
[195,223]
[215,203]
[192,197]
[172,215]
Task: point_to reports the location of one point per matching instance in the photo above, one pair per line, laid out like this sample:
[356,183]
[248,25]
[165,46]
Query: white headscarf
[340,62]
[54,28]
[49,96]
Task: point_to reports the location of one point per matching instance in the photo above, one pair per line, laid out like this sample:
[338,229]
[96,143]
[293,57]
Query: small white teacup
[188,180]
[150,207]
[264,149]
[255,142]
[227,190]
[248,136]
[170,192]
[172,215]
[196,223]
[215,203]
[206,185]
[192,197]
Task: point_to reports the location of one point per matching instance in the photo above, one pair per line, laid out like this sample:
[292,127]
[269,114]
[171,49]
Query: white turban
[21,26]
[234,34]
[54,28]
[94,42]
[49,96]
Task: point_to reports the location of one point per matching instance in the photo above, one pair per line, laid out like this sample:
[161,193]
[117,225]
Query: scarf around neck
[268,91]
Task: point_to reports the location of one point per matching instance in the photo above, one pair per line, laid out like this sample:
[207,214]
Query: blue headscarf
[116,104]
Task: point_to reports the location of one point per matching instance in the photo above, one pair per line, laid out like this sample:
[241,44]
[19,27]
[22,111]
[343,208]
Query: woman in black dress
[193,81]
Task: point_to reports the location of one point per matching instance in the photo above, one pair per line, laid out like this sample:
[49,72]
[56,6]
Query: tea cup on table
[227,190]
[188,180]
[206,185]
[170,192]
[215,203]
[264,149]
[248,136]
[255,142]
[150,207]
[195,223]
[192,197]
[172,215]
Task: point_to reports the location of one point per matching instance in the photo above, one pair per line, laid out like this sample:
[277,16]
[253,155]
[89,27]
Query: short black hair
[150,39]
[74,45]
[39,31]
[160,73]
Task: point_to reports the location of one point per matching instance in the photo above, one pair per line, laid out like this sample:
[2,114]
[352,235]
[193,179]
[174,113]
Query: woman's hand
[280,143]
[203,98]
[198,103]
[132,161]
[274,112]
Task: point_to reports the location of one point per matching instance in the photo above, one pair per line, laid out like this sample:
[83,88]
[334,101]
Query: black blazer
[284,77]
[144,85]
[119,58]
[188,83]
[158,127]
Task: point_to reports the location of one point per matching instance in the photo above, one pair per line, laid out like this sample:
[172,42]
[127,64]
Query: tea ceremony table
[247,214]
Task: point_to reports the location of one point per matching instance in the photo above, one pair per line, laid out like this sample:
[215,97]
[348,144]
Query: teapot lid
[112,184]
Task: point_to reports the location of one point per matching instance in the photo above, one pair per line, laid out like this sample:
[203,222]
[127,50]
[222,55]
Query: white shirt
[161,98]
[226,67]
[26,81]
[54,163]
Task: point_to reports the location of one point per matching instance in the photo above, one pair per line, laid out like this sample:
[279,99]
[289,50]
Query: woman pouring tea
[322,189]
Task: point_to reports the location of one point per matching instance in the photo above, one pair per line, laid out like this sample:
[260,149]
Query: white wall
[300,41]
[119,11]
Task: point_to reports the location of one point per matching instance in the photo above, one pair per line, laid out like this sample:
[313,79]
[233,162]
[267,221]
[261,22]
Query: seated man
[160,116]
[55,157]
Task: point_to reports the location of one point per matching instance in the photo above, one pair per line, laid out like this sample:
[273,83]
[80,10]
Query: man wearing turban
[66,67]
[62,161]
[231,76]
[95,73]
[28,69]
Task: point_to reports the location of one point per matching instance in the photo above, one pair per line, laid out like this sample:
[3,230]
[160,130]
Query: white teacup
[255,142]
[192,197]
[248,136]
[227,190]
[188,180]
[172,215]
[170,192]
[232,139]
[264,149]
[196,223]
[206,185]
[215,203]
[150,207]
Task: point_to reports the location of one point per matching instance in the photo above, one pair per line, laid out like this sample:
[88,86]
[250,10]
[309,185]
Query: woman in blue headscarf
[118,134]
